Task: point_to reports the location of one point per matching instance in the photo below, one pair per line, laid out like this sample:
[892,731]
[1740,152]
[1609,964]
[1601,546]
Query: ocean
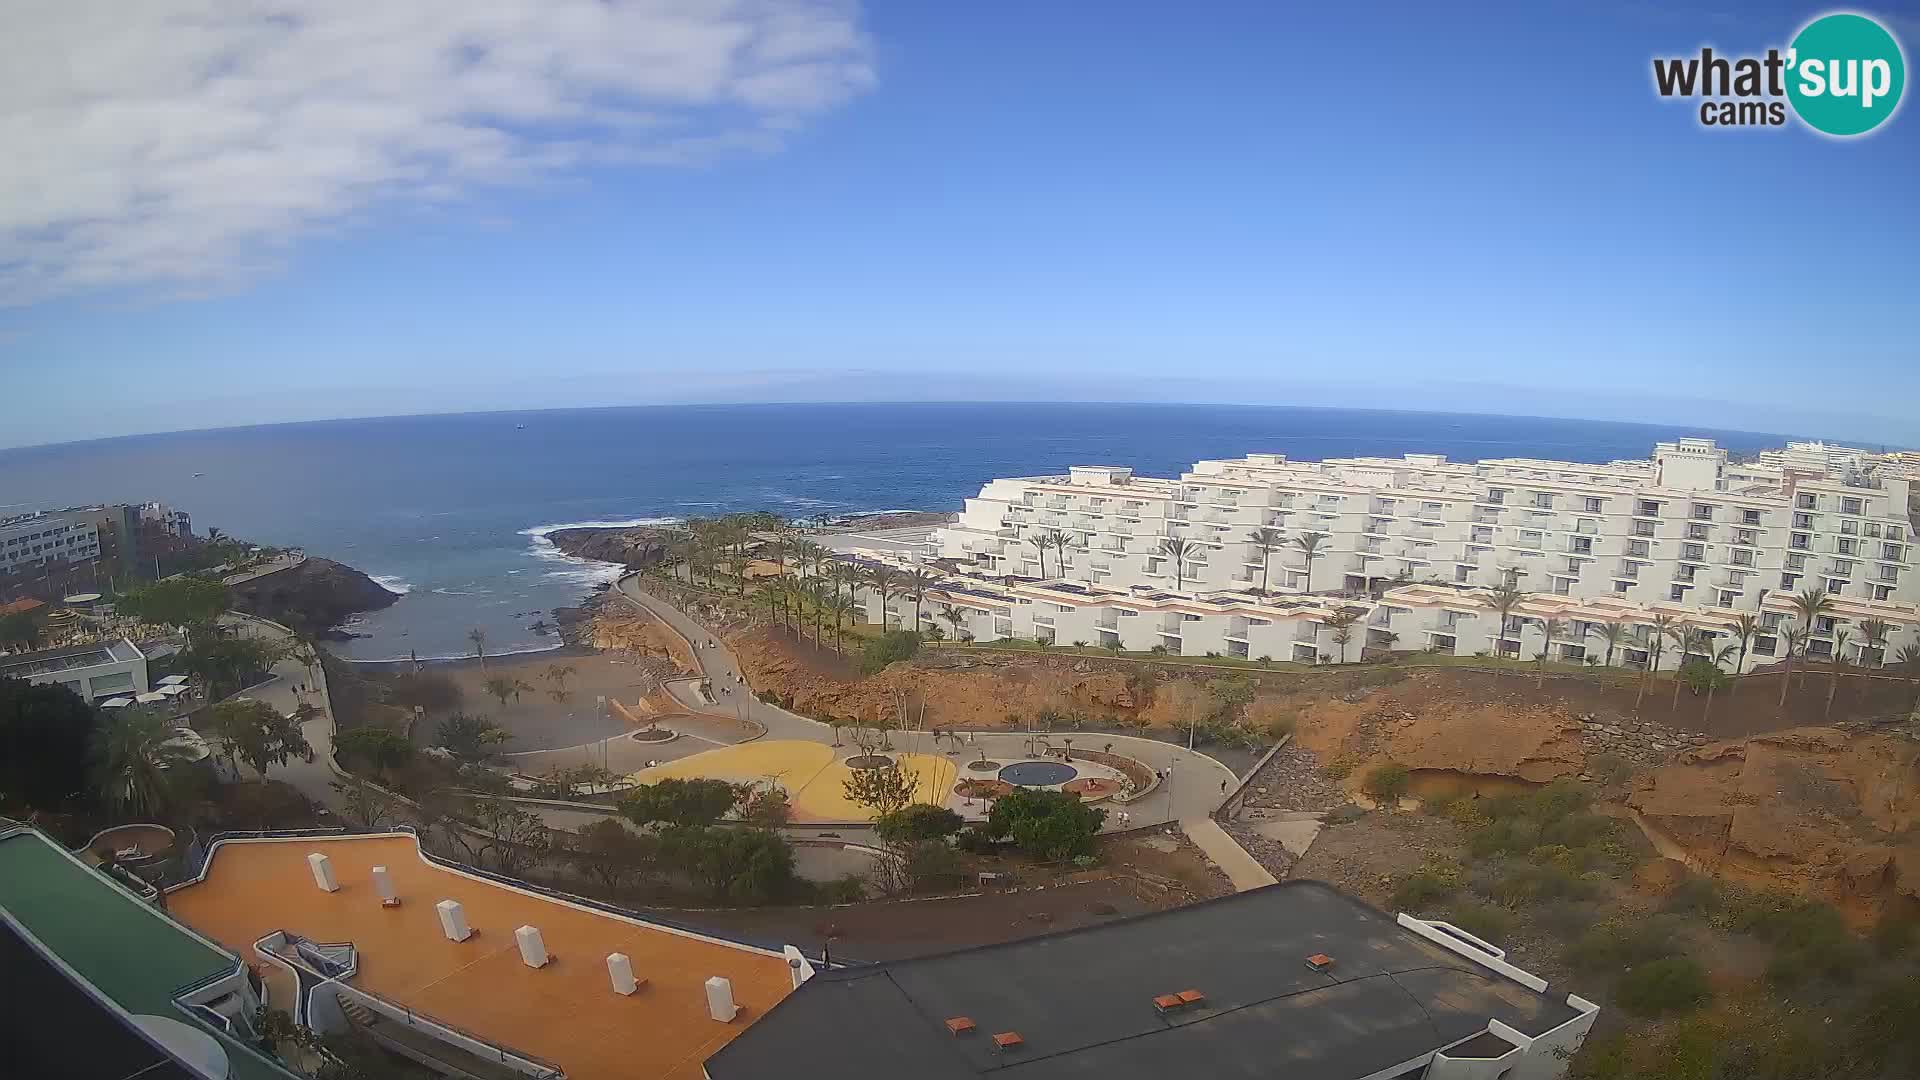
[452,511]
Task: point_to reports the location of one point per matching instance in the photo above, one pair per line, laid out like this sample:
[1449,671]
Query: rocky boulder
[315,595]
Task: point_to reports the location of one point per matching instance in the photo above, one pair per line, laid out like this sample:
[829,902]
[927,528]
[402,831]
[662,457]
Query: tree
[1061,542]
[1873,649]
[1309,545]
[1503,598]
[556,676]
[894,645]
[137,759]
[256,733]
[1839,661]
[916,822]
[499,688]
[1040,542]
[884,579]
[955,617]
[1615,633]
[1811,605]
[1909,658]
[918,581]
[1549,629]
[741,866]
[1662,626]
[45,735]
[1745,627]
[479,639]
[1045,824]
[469,739]
[1179,550]
[1341,623]
[883,789]
[613,854]
[1387,783]
[373,747]
[1795,639]
[1266,540]
[227,663]
[843,613]
[20,629]
[367,804]
[192,602]
[517,839]
[674,801]
[1682,634]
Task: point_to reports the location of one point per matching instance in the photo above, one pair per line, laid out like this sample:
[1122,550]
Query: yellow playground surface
[812,774]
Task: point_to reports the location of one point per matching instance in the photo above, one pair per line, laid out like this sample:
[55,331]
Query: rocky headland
[315,596]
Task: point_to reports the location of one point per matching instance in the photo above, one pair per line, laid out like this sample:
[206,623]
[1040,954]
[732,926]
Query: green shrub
[1620,943]
[1610,769]
[1345,814]
[1418,890]
[892,646]
[1483,921]
[1696,895]
[1387,783]
[1525,884]
[1045,824]
[1673,984]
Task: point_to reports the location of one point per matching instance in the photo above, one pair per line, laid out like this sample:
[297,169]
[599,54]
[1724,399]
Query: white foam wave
[491,653]
[393,583]
[540,531]
[587,573]
[461,592]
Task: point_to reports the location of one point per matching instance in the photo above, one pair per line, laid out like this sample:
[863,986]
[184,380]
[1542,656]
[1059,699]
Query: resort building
[1294,979]
[1177,563]
[30,541]
[95,672]
[103,984]
[475,973]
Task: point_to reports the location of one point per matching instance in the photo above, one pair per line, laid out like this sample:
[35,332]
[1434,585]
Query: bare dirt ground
[537,720]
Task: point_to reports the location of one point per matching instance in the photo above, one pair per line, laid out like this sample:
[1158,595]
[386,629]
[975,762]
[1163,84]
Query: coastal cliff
[316,596]
[635,547]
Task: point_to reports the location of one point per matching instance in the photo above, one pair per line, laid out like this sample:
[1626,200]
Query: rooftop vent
[1191,997]
[1009,1040]
[1167,1002]
[1320,961]
[959,1025]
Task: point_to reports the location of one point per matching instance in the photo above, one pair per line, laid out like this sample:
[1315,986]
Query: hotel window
[1843,567]
[1764,646]
[1849,506]
[1702,512]
[1750,517]
[1649,508]
[1843,546]
[1801,542]
[1693,552]
[1460,573]
[1788,581]
[1836,585]
[1594,505]
[1806,502]
[1583,545]
[1743,537]
[1742,558]
[1678,592]
[1772,619]
[1683,573]
[1726,598]
[1696,532]
[1796,562]
[1873,530]
[1803,521]
[1639,549]
[1850,528]
[1893,532]
[1890,551]
[1823,624]
[1622,586]
[1883,592]
[1643,528]
[1543,500]
[1889,573]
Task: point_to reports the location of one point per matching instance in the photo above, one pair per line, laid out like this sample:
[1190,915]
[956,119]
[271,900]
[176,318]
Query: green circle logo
[1845,74]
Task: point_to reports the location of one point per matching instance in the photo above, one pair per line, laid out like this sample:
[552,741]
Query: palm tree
[1615,634]
[1661,625]
[132,756]
[479,639]
[1682,634]
[1061,542]
[1744,629]
[847,575]
[1714,684]
[1503,599]
[919,579]
[1873,650]
[1266,539]
[1309,543]
[817,592]
[842,608]
[1839,661]
[1811,605]
[1041,542]
[1550,628]
[1177,549]
[954,617]
[1795,639]
[1909,658]
[1341,623]
[884,580]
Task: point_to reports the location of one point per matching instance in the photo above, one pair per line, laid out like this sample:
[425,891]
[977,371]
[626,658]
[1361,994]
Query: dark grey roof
[1082,1001]
[55,1028]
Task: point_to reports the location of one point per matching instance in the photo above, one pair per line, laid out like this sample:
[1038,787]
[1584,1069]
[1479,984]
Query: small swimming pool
[1038,773]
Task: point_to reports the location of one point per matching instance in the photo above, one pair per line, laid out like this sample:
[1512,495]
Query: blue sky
[1385,204]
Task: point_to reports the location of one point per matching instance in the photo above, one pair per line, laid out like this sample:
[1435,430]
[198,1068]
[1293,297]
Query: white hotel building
[1413,543]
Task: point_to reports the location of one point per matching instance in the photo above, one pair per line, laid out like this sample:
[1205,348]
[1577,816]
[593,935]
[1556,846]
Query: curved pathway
[1192,786]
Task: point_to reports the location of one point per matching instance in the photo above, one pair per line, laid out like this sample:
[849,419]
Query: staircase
[358,1013]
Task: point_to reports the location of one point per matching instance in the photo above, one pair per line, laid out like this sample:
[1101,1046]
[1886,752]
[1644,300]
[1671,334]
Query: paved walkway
[1230,857]
[1192,786]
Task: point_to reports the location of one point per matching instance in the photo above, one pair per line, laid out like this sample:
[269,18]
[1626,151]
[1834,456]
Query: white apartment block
[34,540]
[1411,545]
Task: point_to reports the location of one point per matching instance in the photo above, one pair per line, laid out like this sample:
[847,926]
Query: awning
[116,703]
[148,699]
[171,689]
[174,680]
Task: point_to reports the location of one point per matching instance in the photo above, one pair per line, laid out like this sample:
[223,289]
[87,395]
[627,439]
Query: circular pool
[1038,773]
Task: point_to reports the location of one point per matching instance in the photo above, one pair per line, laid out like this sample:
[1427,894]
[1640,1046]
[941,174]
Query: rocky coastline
[314,596]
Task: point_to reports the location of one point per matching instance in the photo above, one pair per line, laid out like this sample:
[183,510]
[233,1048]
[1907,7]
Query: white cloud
[182,143]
